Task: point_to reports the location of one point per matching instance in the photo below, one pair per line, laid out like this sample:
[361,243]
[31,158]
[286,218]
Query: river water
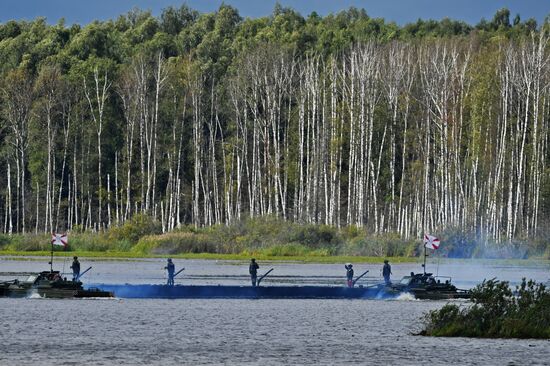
[38,331]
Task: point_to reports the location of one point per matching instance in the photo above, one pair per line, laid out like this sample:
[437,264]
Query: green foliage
[22,242]
[460,244]
[501,19]
[91,242]
[290,250]
[217,38]
[177,242]
[5,240]
[77,242]
[135,229]
[173,20]
[497,312]
[270,237]
[313,236]
[388,245]
[210,47]
[545,197]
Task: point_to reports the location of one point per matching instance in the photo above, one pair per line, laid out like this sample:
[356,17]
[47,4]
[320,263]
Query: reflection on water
[175,332]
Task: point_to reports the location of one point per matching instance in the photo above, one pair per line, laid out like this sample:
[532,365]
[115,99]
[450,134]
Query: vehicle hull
[53,293]
[427,294]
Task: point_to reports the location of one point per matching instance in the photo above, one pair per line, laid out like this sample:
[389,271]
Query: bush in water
[497,312]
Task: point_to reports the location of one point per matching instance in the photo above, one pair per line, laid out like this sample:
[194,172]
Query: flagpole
[425,255]
[51,260]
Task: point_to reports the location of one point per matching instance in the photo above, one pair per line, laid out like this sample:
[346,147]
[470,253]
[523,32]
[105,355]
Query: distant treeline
[342,120]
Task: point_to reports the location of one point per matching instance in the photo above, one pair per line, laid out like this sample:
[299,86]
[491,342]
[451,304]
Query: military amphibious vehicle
[425,286]
[49,284]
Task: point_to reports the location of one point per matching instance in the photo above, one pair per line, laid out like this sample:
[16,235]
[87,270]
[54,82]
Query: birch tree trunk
[96,98]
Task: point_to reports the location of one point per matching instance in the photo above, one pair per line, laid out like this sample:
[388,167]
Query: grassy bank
[263,238]
[36,255]
[497,312]
[24,255]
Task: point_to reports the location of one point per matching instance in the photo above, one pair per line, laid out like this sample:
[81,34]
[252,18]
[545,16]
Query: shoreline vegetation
[266,238]
[122,256]
[498,311]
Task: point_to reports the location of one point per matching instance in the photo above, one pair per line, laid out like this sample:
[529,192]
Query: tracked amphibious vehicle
[425,286]
[49,284]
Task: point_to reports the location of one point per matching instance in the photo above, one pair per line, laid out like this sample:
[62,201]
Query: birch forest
[343,120]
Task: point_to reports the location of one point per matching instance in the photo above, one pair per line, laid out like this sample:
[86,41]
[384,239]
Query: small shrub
[377,246]
[286,250]
[174,243]
[323,252]
[30,242]
[97,242]
[5,240]
[135,228]
[314,236]
[352,231]
[444,321]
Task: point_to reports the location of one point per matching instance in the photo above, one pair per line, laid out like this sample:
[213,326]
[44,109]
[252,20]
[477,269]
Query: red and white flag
[431,242]
[60,239]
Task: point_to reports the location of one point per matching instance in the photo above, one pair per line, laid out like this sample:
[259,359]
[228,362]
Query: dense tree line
[342,120]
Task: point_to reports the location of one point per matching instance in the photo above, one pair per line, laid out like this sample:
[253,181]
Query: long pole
[178,272]
[64,262]
[261,278]
[358,278]
[425,255]
[82,274]
[51,259]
